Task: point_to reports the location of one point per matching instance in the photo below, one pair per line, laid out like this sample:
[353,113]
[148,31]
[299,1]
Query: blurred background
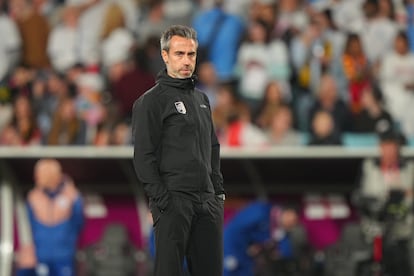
[312,102]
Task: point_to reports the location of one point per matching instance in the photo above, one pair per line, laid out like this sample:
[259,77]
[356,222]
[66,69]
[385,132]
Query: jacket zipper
[198,122]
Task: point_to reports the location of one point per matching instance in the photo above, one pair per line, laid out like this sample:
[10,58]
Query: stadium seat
[358,140]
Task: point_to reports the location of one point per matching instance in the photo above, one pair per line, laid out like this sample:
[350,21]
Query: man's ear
[164,55]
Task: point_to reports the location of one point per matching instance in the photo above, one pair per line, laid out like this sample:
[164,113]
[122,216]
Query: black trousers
[189,230]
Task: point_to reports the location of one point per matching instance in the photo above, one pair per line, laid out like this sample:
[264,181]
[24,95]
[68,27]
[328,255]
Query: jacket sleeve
[146,130]
[216,176]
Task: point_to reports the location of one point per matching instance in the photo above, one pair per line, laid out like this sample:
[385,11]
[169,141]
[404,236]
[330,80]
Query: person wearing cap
[177,159]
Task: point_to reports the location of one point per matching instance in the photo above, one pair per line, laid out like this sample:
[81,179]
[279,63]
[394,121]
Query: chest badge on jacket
[180,107]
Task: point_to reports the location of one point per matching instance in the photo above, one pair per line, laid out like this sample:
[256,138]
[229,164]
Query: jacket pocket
[156,210]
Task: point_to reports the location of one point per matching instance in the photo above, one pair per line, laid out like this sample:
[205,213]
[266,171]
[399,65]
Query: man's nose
[187,59]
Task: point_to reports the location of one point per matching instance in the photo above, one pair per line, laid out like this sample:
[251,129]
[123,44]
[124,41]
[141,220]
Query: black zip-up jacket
[175,146]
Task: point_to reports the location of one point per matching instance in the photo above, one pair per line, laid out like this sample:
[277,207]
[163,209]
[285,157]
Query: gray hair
[179,30]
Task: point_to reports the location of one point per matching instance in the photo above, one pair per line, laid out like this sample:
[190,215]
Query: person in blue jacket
[55,210]
[254,225]
[221,34]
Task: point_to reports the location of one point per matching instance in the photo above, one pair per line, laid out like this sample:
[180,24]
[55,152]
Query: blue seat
[410,141]
[304,137]
[359,140]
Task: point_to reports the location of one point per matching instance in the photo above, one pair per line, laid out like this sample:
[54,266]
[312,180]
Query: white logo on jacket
[180,107]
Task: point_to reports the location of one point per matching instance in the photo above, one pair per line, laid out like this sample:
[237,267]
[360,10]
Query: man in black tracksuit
[176,157]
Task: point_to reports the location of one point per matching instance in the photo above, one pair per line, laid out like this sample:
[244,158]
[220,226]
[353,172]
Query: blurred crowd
[277,72]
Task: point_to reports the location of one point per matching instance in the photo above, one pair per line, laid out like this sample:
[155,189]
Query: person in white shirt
[10,47]
[396,77]
[378,32]
[260,60]
[91,21]
[90,24]
[63,40]
[348,15]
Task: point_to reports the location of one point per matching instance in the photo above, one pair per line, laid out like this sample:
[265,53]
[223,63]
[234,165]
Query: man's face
[289,219]
[389,151]
[47,174]
[181,57]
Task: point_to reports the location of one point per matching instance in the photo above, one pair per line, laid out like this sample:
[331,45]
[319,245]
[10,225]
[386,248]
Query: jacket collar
[185,84]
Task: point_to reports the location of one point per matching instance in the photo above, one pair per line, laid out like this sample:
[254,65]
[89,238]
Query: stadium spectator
[317,51]
[228,108]
[6,112]
[51,91]
[239,8]
[373,117]
[323,131]
[34,31]
[208,81]
[9,136]
[232,120]
[266,11]
[121,135]
[154,21]
[242,133]
[280,131]
[63,40]
[308,53]
[91,22]
[378,32]
[261,59]
[89,103]
[10,48]
[220,33]
[179,11]
[22,129]
[47,8]
[334,40]
[397,83]
[71,76]
[116,40]
[132,11]
[306,50]
[356,70]
[329,101]
[67,128]
[123,77]
[348,15]
[273,98]
[386,9]
[291,19]
[103,135]
[20,81]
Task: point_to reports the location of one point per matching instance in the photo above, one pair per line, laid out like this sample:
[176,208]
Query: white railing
[226,152]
